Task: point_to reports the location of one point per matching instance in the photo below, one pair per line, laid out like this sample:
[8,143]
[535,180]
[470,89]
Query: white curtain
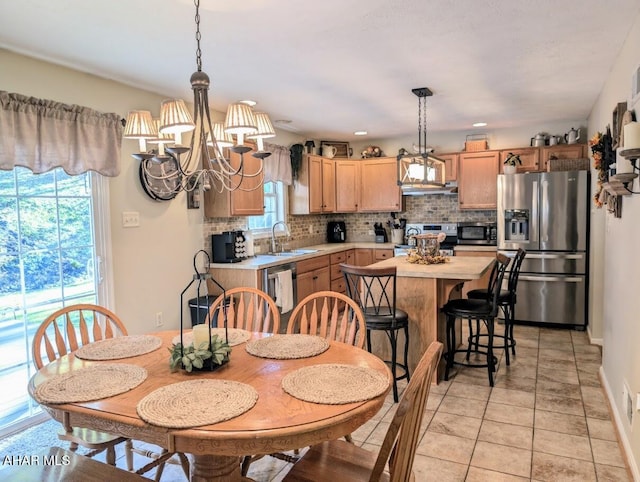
[44,134]
[277,167]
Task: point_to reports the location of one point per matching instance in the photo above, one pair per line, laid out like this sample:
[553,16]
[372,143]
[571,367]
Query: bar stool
[506,301]
[374,289]
[475,309]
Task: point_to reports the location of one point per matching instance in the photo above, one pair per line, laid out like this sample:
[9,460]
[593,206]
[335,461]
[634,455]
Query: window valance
[277,167]
[43,134]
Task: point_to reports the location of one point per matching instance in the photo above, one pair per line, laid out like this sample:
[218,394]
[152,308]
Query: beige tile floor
[546,419]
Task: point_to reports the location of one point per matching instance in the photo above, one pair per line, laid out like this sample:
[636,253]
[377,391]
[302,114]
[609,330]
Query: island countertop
[456,268]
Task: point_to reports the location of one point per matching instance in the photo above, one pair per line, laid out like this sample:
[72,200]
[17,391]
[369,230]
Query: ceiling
[335,66]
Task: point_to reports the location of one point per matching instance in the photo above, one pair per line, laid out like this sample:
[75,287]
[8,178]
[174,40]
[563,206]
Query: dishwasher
[269,286]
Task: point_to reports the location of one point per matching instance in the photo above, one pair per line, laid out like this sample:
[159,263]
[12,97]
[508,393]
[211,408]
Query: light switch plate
[130,219]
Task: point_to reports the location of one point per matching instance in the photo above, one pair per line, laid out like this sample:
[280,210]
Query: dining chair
[506,301]
[338,460]
[328,314]
[331,315]
[63,332]
[485,310]
[374,290]
[249,309]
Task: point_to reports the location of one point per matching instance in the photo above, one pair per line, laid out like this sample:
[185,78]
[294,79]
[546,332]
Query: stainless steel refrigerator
[547,214]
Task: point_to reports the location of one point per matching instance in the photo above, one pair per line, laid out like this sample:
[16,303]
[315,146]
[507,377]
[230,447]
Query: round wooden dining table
[277,422]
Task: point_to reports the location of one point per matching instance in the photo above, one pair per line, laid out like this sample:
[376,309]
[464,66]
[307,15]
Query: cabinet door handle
[315,277]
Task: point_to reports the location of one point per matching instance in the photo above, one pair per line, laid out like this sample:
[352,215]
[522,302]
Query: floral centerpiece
[427,250]
[602,154]
[202,356]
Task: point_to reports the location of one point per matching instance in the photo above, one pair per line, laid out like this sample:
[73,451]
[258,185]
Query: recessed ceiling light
[360,133]
[249,102]
[479,124]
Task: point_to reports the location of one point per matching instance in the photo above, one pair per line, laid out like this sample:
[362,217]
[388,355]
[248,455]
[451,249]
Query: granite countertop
[463,267]
[262,261]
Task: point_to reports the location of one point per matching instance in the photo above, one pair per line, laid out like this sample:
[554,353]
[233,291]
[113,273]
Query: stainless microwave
[478,233]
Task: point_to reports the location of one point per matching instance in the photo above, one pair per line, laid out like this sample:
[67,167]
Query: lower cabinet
[367,256]
[337,279]
[313,275]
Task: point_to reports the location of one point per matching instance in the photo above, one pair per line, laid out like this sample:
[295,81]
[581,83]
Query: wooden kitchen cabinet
[562,151]
[530,157]
[246,202]
[450,166]
[379,190]
[363,257]
[477,179]
[313,275]
[337,279]
[347,186]
[315,190]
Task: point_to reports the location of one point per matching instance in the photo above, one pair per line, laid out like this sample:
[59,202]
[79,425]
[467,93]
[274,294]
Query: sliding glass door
[48,259]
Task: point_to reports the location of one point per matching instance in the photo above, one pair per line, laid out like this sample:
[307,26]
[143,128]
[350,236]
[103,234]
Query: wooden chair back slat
[340,318]
[58,329]
[248,309]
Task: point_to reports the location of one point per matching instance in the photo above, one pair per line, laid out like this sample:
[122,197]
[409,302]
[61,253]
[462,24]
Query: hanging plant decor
[602,154]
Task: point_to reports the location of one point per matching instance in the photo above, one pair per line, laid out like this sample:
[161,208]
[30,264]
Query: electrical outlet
[311,229]
[130,219]
[159,321]
[371,232]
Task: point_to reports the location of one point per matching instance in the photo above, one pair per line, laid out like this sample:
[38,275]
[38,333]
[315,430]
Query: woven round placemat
[120,347]
[236,336]
[334,384]
[288,346]
[196,402]
[91,383]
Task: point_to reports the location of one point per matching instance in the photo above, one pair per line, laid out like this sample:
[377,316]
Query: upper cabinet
[347,185]
[450,166]
[562,151]
[248,201]
[315,190]
[477,179]
[530,157]
[379,190]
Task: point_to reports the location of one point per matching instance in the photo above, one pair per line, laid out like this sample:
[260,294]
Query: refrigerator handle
[547,279]
[544,219]
[535,217]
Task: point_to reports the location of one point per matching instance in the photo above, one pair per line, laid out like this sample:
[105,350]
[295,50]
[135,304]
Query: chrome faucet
[273,234]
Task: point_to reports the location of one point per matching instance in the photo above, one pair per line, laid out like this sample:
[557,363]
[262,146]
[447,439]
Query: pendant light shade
[174,117]
[140,126]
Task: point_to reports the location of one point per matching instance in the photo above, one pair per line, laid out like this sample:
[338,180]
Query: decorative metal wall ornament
[421,168]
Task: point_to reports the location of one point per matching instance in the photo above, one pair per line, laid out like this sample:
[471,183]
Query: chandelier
[421,168]
[173,167]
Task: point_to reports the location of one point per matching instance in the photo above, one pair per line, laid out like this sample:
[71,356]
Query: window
[274,209]
[51,229]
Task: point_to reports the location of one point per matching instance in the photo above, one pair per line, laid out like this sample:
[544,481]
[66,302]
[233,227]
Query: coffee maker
[228,247]
[336,232]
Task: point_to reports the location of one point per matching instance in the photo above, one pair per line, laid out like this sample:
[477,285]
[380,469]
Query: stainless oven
[478,233]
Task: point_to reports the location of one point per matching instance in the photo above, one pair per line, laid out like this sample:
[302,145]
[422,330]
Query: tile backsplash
[312,229]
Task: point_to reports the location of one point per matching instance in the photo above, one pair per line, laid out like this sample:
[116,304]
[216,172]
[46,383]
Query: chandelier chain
[198,36]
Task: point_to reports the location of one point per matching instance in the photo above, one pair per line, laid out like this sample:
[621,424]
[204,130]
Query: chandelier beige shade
[223,139]
[265,128]
[174,117]
[162,137]
[240,119]
[140,125]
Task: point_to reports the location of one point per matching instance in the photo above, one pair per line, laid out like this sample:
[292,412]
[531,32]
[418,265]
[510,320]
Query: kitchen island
[422,290]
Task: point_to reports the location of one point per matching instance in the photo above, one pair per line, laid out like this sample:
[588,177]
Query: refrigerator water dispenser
[516,224]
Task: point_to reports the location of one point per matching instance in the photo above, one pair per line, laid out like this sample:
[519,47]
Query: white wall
[617,262]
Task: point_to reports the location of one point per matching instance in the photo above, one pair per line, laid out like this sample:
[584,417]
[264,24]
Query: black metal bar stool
[475,309]
[374,289]
[506,301]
